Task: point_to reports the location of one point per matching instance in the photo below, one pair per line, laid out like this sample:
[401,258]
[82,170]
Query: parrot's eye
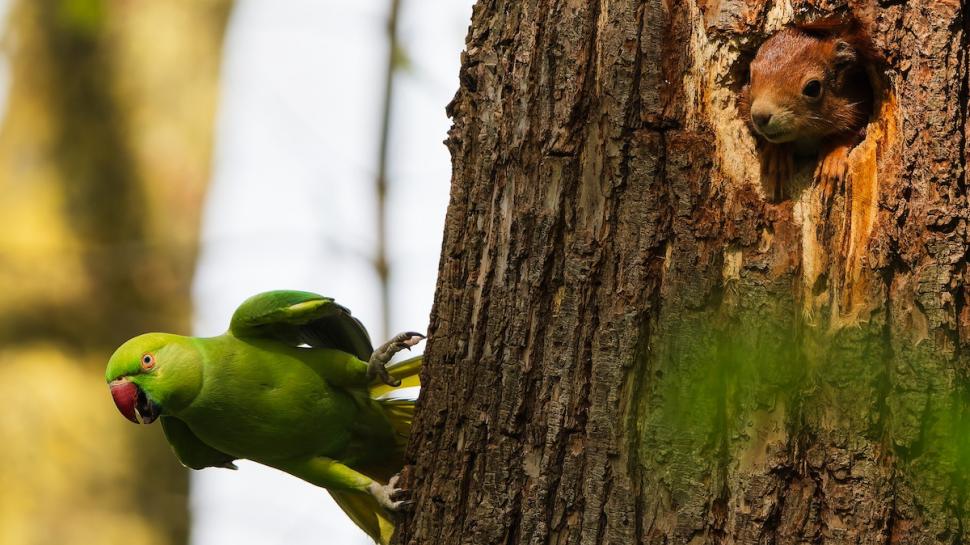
[147,361]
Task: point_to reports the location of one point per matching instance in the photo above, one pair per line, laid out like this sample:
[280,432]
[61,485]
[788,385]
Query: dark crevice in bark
[964,100]
[819,501]
[588,98]
[774,519]
[892,515]
[464,488]
[553,270]
[550,56]
[515,522]
[637,376]
[632,119]
[884,391]
[601,536]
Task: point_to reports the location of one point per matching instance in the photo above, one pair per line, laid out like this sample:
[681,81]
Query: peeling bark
[631,344]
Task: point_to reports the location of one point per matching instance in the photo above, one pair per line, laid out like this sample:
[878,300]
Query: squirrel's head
[804,86]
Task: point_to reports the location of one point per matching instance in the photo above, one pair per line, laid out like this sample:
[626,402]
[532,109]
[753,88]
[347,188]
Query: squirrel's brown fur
[809,92]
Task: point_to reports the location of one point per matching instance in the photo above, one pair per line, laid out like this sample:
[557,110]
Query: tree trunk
[631,344]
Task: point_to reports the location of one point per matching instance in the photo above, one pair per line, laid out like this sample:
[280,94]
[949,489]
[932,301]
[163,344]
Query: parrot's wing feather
[189,449]
[300,317]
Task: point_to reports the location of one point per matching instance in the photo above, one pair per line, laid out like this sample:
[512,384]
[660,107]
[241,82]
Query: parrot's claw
[384,353]
[390,497]
[229,465]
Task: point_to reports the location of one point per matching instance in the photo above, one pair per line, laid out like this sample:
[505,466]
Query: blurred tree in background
[104,155]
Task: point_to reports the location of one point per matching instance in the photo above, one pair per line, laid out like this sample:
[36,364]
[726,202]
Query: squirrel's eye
[147,361]
[812,89]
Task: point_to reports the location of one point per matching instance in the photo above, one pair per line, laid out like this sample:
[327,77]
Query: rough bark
[630,344]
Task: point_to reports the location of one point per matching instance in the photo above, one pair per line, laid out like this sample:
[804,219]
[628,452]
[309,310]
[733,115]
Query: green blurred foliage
[80,16]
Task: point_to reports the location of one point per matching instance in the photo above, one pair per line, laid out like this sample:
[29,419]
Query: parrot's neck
[184,372]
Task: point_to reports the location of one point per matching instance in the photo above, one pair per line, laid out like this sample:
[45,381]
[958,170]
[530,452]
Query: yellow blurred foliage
[67,474]
[105,142]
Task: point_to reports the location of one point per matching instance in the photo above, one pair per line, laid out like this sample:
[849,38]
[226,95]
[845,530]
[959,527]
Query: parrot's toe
[384,353]
[411,338]
[398,495]
[390,497]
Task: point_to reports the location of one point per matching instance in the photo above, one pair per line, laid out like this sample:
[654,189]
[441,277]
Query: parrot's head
[154,374]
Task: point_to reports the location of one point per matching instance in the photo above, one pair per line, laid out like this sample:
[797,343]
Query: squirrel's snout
[762,113]
[761,119]
[769,121]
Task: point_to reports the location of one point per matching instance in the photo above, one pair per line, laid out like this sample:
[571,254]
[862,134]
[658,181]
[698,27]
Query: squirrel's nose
[761,119]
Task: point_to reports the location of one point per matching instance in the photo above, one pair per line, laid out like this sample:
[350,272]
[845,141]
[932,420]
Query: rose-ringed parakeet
[295,385]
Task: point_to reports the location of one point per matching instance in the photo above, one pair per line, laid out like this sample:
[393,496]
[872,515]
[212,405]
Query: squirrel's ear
[845,54]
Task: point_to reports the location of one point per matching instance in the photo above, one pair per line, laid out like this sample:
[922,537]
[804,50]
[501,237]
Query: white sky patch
[291,205]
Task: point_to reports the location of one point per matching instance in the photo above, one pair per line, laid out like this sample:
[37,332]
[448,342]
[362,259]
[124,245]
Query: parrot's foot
[384,353]
[389,496]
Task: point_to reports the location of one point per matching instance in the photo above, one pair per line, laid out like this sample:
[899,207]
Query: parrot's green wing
[300,317]
[189,449]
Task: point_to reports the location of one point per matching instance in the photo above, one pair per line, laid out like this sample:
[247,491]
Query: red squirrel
[810,95]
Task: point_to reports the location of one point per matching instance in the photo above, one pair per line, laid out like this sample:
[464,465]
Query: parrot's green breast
[264,401]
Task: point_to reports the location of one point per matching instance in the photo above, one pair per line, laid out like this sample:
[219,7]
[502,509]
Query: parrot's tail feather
[398,401]
[407,371]
[366,514]
[400,414]
[398,404]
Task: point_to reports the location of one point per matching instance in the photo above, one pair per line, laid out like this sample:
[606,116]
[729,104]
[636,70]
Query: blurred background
[161,161]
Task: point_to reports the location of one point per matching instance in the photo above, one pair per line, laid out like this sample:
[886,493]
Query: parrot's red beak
[125,394]
[132,402]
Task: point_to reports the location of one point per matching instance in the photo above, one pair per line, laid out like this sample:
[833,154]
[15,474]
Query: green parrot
[294,384]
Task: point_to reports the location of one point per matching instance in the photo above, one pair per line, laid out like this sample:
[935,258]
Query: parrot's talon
[386,494]
[380,358]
